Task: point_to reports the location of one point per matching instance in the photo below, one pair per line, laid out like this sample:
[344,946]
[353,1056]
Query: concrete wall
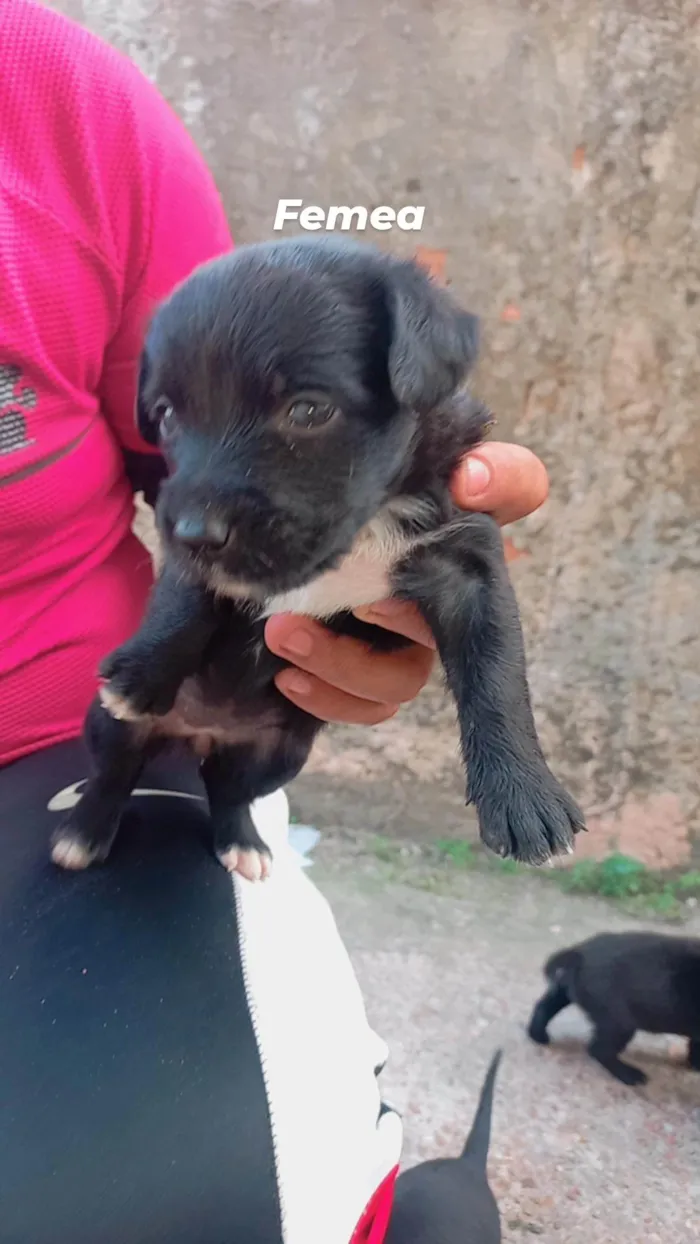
[556,146]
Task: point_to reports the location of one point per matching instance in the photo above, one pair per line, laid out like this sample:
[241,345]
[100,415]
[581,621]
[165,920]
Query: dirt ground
[575,1158]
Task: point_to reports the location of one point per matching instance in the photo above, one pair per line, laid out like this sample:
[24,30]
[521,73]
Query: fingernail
[297,683]
[478,476]
[299,644]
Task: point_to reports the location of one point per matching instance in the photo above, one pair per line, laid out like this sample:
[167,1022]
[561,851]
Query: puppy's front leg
[460,582]
[550,1004]
[145,674]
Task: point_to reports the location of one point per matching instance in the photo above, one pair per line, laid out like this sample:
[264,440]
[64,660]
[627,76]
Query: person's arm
[184,226]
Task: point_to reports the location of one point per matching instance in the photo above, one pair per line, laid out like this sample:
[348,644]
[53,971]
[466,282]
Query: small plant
[621,876]
[508,866]
[618,876]
[581,878]
[386,849]
[459,853]
[689,883]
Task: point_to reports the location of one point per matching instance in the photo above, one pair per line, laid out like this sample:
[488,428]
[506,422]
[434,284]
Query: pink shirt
[105,205]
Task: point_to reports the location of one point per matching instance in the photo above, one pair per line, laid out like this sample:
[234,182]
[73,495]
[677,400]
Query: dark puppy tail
[476,1147]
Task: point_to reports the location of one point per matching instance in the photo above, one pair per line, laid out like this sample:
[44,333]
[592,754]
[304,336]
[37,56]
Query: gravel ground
[576,1158]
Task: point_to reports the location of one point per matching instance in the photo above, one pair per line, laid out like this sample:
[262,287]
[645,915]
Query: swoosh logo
[70,796]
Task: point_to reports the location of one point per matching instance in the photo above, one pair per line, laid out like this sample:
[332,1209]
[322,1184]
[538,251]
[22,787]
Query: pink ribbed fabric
[105,204]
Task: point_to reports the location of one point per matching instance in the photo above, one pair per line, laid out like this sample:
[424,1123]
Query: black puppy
[626,981]
[448,1200]
[305,395]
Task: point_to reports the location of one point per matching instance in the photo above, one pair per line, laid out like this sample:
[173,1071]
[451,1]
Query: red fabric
[373,1225]
[105,205]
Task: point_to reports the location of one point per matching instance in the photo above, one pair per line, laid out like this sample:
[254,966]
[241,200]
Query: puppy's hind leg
[118,751]
[554,1001]
[608,1042]
[235,776]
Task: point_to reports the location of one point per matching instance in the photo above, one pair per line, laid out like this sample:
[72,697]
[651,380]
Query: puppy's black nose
[200,531]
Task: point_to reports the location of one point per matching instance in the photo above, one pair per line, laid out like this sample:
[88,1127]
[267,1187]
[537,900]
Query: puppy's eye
[309,414]
[164,413]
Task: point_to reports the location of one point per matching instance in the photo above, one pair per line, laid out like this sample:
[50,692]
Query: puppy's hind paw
[71,852]
[634,1077]
[247,862]
[539,1035]
[529,818]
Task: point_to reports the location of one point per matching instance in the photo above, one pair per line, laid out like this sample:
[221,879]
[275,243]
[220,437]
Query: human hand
[341,680]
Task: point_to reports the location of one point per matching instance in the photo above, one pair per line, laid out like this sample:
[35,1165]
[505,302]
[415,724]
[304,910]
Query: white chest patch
[362,578]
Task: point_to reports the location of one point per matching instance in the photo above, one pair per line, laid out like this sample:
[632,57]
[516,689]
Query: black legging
[132,1103]
[135,1104]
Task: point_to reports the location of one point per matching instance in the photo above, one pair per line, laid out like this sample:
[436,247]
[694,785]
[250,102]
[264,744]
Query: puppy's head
[285,384]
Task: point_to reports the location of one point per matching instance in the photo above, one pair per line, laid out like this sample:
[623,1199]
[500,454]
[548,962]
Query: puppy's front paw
[528,816]
[247,862]
[134,687]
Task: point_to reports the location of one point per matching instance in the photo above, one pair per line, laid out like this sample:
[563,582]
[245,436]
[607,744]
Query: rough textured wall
[556,147]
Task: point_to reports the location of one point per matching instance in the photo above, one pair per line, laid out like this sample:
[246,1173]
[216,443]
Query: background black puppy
[448,1200]
[305,395]
[626,981]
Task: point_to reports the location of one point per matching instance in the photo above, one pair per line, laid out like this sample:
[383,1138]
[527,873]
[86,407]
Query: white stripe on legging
[317,1048]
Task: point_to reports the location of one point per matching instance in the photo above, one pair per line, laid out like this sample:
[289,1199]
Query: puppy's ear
[145,422]
[434,343]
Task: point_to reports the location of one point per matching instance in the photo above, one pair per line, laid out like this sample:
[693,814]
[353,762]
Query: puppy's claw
[247,862]
[531,818]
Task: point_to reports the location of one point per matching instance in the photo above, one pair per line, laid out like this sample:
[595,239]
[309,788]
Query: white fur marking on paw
[117,706]
[69,853]
[251,864]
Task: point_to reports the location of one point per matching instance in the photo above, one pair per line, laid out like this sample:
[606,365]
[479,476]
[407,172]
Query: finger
[348,664]
[507,481]
[328,703]
[398,616]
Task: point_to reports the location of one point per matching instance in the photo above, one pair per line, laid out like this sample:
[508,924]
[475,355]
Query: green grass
[619,879]
[689,883]
[625,880]
[458,852]
[388,850]
[618,876]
